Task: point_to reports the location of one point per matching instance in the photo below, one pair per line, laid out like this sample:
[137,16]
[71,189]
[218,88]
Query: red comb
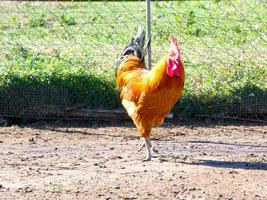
[175,45]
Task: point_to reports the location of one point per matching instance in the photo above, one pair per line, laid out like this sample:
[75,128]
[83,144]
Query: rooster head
[174,61]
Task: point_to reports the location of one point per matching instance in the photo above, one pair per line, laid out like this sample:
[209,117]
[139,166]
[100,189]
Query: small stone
[192,189]
[27,190]
[233,172]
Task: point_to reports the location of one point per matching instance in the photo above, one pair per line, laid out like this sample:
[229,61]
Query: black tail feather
[136,45]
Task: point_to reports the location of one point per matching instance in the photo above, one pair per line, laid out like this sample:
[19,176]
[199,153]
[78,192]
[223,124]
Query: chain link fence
[57,55]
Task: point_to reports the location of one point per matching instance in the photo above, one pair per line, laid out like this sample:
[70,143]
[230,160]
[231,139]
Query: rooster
[149,95]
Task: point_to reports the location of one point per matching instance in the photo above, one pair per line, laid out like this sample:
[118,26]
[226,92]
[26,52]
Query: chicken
[149,95]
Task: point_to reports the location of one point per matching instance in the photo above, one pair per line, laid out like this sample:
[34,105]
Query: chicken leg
[148,145]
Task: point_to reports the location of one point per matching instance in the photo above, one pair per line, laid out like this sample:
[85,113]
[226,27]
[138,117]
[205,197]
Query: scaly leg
[147,143]
[141,147]
[151,147]
[144,144]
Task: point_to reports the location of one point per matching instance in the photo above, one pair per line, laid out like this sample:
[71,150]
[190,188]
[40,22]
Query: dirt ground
[99,160]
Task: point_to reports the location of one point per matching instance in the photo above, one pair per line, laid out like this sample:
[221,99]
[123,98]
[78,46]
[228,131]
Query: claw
[147,159]
[152,158]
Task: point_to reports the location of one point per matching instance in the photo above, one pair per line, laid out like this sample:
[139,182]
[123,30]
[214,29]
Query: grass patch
[52,189]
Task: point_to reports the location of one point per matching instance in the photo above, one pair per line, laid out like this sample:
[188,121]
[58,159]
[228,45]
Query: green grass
[75,46]
[52,189]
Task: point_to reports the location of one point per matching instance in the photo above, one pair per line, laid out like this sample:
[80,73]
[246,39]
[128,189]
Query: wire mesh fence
[59,54]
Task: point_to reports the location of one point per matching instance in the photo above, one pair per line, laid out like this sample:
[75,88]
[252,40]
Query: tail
[136,46]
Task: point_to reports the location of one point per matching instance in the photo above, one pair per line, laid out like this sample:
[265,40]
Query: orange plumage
[149,95]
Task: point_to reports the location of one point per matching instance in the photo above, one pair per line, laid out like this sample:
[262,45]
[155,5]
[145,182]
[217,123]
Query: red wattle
[173,67]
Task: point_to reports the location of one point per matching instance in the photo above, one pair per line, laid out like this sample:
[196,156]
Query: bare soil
[99,160]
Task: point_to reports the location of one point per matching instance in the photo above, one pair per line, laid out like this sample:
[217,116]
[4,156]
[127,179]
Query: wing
[133,84]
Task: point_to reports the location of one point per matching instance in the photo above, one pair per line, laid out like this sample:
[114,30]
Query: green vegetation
[52,189]
[74,46]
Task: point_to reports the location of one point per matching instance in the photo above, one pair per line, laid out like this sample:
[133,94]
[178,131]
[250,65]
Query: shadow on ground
[225,143]
[229,164]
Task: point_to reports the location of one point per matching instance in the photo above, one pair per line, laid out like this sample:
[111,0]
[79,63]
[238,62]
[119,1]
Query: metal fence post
[148,36]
